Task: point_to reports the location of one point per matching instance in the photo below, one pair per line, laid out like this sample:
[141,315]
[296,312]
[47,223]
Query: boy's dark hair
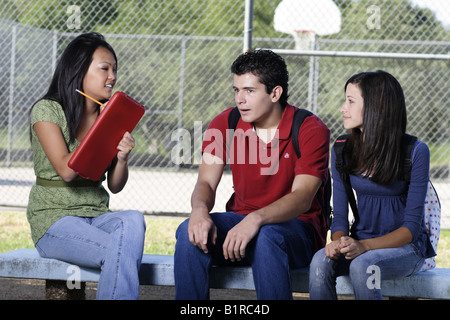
[269,67]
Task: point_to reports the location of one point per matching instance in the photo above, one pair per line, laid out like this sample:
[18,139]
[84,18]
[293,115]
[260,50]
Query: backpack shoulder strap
[407,145]
[339,145]
[233,118]
[299,116]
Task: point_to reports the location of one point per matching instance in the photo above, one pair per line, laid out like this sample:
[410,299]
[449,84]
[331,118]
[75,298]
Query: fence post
[248,25]
[54,50]
[181,85]
[11,93]
[182,75]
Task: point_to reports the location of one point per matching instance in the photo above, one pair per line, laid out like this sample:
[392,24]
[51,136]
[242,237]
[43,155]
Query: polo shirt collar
[284,126]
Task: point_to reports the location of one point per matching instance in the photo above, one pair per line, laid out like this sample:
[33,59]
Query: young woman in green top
[69,216]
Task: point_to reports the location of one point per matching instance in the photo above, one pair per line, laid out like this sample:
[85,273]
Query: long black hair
[69,74]
[376,150]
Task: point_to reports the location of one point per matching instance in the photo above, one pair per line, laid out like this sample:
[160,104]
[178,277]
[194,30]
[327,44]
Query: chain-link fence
[174,57]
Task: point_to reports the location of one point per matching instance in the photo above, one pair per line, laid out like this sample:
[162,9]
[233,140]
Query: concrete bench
[158,270]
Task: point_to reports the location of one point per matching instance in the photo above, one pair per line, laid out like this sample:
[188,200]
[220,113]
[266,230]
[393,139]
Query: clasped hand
[347,246]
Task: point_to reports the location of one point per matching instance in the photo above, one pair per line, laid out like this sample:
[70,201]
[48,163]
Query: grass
[159,237]
[443,254]
[160,234]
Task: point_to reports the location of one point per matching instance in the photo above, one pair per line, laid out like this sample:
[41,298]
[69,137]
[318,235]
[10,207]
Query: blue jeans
[366,271]
[113,242]
[275,250]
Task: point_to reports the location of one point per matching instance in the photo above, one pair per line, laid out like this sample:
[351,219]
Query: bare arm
[343,244]
[353,248]
[201,226]
[118,174]
[54,145]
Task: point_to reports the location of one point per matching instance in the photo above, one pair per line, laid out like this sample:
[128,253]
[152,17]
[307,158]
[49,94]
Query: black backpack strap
[407,145]
[233,118]
[339,146]
[299,116]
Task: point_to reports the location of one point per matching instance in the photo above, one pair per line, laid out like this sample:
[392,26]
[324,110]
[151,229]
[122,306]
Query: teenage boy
[273,220]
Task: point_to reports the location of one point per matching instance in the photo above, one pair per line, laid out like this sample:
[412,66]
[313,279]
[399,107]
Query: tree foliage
[399,19]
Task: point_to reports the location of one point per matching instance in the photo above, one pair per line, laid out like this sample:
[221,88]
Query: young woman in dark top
[390,239]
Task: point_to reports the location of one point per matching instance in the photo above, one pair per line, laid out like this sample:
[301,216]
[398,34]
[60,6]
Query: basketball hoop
[304,19]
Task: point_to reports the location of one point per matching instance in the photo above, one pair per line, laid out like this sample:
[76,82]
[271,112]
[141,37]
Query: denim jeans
[113,242]
[275,250]
[366,271]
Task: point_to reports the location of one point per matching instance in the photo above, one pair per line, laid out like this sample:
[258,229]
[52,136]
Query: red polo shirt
[263,173]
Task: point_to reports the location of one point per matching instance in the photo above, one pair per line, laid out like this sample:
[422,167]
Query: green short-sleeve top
[47,204]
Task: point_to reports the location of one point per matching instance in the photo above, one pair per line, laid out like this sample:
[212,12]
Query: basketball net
[304,40]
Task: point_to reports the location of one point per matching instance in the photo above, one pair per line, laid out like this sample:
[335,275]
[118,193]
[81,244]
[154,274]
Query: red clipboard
[99,146]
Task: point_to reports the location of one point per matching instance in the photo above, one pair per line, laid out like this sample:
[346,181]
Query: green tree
[54,15]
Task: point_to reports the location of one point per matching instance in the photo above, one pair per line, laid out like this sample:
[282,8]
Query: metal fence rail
[174,57]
